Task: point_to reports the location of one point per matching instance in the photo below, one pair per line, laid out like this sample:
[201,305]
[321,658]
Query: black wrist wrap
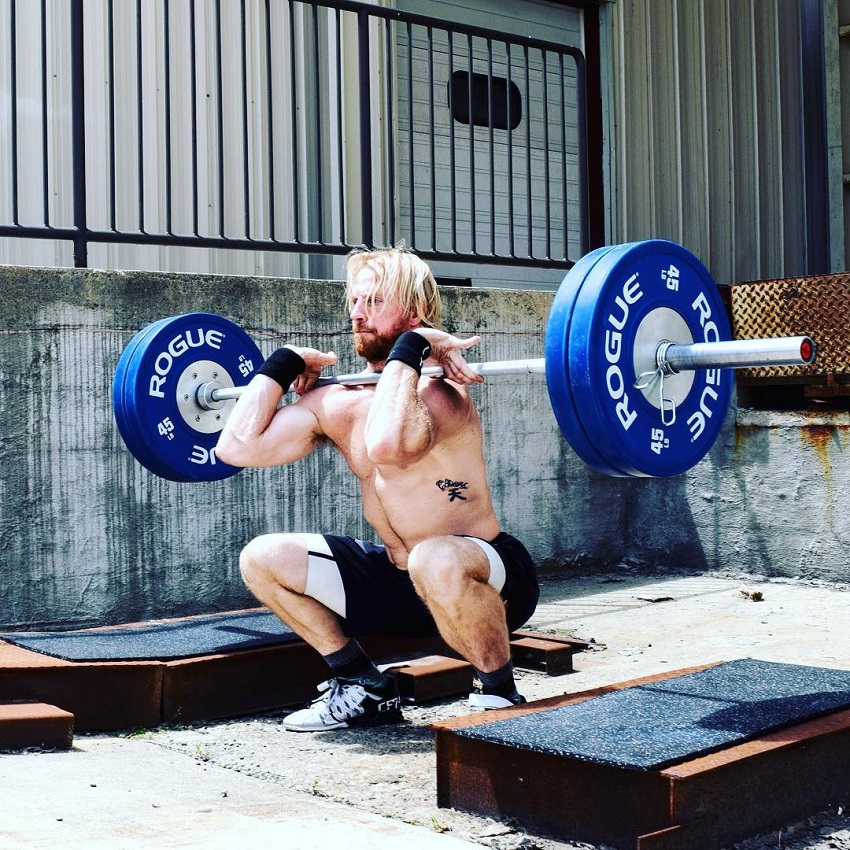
[283,366]
[412,349]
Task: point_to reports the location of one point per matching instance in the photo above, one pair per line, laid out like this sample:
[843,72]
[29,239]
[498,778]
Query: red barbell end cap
[808,349]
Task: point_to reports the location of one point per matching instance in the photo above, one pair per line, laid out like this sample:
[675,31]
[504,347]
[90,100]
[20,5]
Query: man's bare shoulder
[337,406]
[440,391]
[450,404]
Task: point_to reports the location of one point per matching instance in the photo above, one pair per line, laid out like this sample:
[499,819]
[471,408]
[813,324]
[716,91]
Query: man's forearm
[248,421]
[399,429]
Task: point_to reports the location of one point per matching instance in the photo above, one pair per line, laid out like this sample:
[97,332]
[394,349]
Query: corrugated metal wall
[711,133]
[714,121]
[840,101]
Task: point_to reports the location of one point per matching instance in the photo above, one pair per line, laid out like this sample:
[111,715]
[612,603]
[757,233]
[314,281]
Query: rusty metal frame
[705,802]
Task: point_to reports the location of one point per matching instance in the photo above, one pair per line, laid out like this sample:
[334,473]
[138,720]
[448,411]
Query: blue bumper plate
[155,393]
[632,298]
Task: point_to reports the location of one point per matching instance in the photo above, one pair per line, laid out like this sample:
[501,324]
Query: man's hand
[446,352]
[316,361]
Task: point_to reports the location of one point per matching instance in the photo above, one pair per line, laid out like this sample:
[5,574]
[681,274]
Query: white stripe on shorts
[324,582]
[497,568]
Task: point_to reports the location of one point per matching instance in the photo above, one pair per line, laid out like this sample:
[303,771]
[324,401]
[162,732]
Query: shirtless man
[415,445]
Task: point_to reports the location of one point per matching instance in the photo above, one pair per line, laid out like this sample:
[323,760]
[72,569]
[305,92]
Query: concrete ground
[249,783]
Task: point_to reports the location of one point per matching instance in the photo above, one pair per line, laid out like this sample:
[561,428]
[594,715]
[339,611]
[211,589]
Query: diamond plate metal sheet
[815,306]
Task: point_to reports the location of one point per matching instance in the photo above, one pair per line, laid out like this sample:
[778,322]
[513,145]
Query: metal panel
[792,164]
[840,18]
[745,199]
[635,144]
[716,133]
[815,306]
[769,142]
[693,118]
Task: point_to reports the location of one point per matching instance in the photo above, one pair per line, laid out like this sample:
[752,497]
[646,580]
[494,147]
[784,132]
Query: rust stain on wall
[741,434]
[819,438]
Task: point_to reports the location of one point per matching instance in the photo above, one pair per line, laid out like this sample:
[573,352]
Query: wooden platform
[705,802]
[107,696]
[34,725]
[551,654]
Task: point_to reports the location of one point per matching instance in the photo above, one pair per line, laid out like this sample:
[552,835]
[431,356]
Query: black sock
[498,682]
[351,662]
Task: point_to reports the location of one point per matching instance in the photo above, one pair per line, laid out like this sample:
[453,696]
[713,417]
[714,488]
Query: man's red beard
[373,348]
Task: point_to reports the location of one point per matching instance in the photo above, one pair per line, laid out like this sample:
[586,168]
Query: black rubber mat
[647,727]
[164,641]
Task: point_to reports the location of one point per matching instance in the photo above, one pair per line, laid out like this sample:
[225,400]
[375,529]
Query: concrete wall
[87,536]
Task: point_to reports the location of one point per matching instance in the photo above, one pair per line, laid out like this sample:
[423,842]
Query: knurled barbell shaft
[672,357]
[493,367]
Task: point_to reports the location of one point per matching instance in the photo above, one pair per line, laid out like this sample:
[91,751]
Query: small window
[453,281]
[502,97]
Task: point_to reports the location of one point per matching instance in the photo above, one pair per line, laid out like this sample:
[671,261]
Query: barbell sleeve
[735,354]
[671,358]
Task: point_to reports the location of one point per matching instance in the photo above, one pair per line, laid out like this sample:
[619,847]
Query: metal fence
[286,126]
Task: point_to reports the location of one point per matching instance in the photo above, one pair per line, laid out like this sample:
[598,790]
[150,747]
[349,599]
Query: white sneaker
[345,703]
[487,702]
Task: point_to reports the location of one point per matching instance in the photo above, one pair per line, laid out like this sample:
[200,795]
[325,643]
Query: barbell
[637,357]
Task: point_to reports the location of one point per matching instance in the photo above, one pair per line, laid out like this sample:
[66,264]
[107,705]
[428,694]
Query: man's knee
[275,558]
[445,563]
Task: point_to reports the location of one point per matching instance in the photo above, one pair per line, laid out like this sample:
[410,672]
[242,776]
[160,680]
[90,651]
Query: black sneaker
[348,702]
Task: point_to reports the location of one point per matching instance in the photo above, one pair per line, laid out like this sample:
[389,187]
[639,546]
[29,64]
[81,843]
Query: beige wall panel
[708,112]
[693,122]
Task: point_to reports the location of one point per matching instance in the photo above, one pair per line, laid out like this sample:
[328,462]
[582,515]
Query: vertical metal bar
[492,149]
[340,164]
[390,236]
[270,112]
[815,156]
[365,128]
[78,133]
[317,130]
[293,123]
[246,153]
[511,232]
[530,248]
[473,225]
[169,223]
[219,95]
[140,117]
[431,134]
[110,49]
[193,82]
[583,177]
[546,187]
[13,106]
[411,181]
[452,180]
[564,207]
[45,162]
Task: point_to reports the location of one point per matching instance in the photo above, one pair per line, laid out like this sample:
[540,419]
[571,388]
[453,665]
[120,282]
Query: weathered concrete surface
[249,783]
[87,536]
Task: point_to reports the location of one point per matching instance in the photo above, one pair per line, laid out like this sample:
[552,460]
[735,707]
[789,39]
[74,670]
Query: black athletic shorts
[380,598]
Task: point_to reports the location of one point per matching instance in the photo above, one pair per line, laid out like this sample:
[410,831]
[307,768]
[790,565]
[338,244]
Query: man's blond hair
[403,279]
